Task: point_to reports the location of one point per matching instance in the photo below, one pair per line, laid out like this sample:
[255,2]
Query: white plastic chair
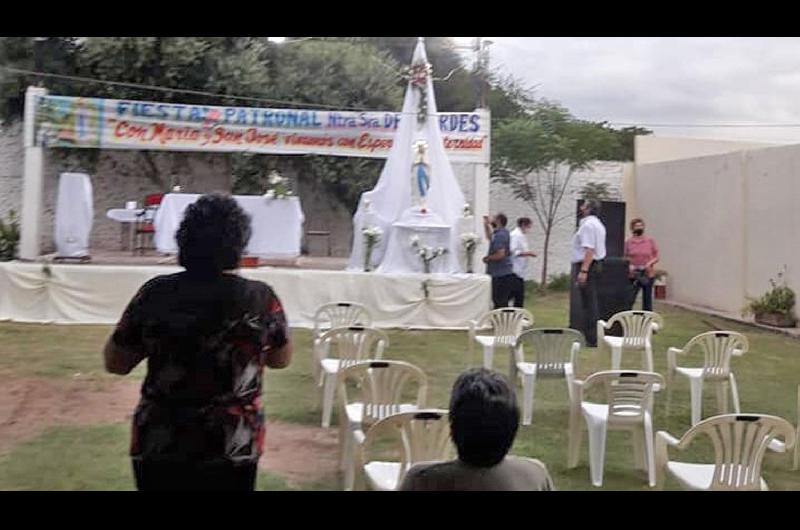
[422,436]
[717,348]
[555,352]
[740,442]
[335,315]
[780,447]
[628,406]
[381,386]
[506,325]
[637,329]
[352,344]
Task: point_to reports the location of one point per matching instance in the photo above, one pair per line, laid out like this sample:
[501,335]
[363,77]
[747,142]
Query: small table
[125,216]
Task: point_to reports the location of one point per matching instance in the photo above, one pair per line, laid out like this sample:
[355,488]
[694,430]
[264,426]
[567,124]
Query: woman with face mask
[642,255]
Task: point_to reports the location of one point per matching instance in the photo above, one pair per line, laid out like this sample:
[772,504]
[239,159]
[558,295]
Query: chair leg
[648,359]
[696,396]
[597,451]
[575,438]
[488,354]
[734,394]
[344,444]
[327,398]
[350,466]
[650,450]
[616,358]
[639,455]
[569,376]
[512,365]
[528,383]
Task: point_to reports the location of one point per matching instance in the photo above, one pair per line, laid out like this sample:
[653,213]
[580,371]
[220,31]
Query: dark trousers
[587,294]
[646,286]
[170,476]
[502,287]
[518,292]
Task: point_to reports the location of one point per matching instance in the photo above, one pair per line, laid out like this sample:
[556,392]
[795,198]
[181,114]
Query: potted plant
[776,306]
[660,284]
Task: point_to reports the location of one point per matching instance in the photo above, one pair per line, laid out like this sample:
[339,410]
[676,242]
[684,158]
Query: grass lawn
[95,457]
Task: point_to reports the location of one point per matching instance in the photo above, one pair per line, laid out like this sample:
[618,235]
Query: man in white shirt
[588,253]
[519,259]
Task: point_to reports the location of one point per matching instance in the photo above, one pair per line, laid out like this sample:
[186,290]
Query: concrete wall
[771,217]
[693,210]
[725,224]
[11,156]
[651,149]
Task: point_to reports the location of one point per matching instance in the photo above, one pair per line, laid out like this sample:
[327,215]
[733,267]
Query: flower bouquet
[470,242]
[372,236]
[278,187]
[426,254]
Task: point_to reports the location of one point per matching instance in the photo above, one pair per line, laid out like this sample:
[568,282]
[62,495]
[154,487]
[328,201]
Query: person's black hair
[524,221]
[213,235]
[501,219]
[484,417]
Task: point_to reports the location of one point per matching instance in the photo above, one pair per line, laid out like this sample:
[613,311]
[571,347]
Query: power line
[711,125]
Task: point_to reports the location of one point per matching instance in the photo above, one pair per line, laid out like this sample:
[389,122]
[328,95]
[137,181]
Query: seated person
[483,422]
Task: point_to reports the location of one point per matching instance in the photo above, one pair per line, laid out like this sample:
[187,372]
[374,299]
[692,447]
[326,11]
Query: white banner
[125,124]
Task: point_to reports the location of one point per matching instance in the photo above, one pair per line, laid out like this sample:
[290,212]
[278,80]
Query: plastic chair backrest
[424,436]
[628,393]
[153,199]
[717,347]
[338,314]
[507,323]
[551,347]
[382,384]
[740,441]
[637,326]
[353,344]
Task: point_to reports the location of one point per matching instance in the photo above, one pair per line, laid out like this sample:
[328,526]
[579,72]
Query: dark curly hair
[484,417]
[213,234]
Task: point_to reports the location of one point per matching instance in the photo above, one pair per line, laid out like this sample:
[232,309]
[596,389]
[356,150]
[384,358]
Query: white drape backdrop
[392,195]
[74,214]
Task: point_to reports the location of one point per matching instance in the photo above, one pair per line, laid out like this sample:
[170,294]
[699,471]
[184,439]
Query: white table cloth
[432,232]
[74,214]
[123,215]
[277,223]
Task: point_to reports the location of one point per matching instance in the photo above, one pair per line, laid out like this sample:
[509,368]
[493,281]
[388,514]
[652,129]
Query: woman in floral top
[206,333]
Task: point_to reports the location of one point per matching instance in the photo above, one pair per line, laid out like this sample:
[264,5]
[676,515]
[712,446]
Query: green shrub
[9,237]
[779,299]
[559,282]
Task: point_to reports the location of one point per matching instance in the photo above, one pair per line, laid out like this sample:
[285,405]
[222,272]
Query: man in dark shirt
[498,261]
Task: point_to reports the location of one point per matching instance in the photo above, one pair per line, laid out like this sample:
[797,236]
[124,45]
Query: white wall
[772,217]
[651,149]
[692,209]
[725,223]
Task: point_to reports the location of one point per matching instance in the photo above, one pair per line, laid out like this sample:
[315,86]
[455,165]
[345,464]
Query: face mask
[638,232]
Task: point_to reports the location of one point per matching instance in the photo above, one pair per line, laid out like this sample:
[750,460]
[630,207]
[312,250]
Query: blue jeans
[644,284]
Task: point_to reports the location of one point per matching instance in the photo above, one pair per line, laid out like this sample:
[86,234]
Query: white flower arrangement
[426,254]
[278,187]
[469,241]
[467,210]
[372,236]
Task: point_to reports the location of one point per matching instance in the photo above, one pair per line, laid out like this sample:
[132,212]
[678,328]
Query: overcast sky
[666,80]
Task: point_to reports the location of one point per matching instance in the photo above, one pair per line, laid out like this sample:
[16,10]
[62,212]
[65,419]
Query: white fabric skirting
[98,294]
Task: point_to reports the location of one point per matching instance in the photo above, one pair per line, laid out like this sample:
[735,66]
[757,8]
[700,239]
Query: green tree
[536,157]
[598,191]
